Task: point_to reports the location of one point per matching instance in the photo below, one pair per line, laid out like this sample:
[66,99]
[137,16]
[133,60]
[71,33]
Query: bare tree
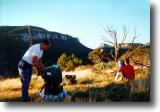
[114,40]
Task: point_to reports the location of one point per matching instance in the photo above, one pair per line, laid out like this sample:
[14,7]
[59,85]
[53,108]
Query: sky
[83,19]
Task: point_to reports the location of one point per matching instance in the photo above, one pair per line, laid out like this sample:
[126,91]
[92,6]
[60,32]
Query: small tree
[62,61]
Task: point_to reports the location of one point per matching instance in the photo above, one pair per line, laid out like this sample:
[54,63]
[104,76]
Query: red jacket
[128,71]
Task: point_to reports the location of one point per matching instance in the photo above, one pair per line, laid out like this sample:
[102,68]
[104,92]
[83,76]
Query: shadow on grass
[111,93]
[18,99]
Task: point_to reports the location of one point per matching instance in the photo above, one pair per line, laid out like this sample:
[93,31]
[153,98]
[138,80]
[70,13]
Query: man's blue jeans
[25,76]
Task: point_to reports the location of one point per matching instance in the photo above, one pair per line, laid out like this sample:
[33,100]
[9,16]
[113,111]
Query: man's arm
[38,64]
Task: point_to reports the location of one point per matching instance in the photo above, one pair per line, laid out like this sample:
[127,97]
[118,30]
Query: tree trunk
[116,53]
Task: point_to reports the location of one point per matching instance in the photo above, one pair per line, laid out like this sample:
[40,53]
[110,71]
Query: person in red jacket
[129,73]
[128,70]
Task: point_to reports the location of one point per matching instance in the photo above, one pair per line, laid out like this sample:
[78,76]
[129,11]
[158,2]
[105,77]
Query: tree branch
[110,42]
[111,33]
[111,53]
[125,33]
[131,46]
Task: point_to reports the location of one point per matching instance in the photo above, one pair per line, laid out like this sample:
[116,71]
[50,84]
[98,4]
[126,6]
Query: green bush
[69,62]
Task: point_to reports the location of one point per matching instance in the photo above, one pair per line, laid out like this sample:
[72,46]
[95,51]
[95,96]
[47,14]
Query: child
[119,74]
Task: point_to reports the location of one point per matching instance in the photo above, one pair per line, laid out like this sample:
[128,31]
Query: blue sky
[84,19]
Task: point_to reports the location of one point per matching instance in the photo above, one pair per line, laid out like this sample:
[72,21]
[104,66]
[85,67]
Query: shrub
[100,66]
[69,62]
[110,65]
[62,61]
[70,65]
[95,56]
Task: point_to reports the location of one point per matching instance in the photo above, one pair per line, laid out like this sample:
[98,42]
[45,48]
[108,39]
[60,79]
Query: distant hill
[14,41]
[124,45]
[139,55]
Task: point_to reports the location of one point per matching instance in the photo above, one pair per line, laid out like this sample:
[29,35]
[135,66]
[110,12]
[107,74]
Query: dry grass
[79,73]
[94,87]
[10,89]
[10,84]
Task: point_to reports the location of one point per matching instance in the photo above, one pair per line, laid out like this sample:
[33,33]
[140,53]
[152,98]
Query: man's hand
[38,64]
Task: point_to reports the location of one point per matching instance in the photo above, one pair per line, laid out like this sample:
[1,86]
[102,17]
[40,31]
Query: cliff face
[14,41]
[38,34]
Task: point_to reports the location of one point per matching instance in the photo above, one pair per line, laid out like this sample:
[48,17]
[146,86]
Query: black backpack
[52,76]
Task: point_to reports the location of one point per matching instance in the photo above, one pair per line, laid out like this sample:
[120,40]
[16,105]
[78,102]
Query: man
[31,57]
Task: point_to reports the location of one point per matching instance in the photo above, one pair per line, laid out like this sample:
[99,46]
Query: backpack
[52,76]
